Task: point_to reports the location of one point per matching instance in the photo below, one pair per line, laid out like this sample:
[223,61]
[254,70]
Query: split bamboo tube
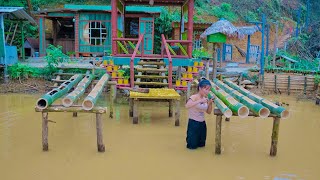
[92,98]
[79,91]
[222,107]
[256,108]
[46,100]
[236,107]
[274,109]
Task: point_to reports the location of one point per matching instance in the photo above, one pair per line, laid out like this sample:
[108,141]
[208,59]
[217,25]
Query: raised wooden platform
[155,94]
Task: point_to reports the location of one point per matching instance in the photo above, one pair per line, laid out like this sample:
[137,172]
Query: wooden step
[151,69]
[151,63]
[150,77]
[151,83]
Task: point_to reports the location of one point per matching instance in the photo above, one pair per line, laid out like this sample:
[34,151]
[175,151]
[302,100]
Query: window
[97,33]
[197,44]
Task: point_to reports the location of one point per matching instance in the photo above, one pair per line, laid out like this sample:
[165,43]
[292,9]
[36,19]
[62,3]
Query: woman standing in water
[197,105]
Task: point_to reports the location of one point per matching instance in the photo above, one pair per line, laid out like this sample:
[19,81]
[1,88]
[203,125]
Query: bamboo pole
[100,145]
[45,145]
[218,134]
[79,91]
[223,108]
[47,99]
[236,107]
[92,98]
[255,107]
[274,137]
[274,109]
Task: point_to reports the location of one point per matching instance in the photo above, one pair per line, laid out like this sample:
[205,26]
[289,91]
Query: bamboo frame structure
[47,99]
[274,136]
[274,109]
[255,107]
[74,109]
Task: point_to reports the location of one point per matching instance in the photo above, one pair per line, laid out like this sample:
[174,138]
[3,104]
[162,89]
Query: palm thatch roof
[227,28]
[221,26]
[246,30]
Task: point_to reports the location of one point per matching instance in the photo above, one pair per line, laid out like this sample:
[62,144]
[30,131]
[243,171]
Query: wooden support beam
[78,108]
[218,134]
[170,107]
[274,137]
[135,111]
[130,107]
[177,113]
[45,145]
[113,92]
[101,147]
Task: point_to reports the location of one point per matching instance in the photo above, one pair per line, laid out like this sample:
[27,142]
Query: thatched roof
[221,26]
[246,30]
[227,28]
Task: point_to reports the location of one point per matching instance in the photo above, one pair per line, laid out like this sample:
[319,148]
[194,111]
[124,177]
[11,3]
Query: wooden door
[146,27]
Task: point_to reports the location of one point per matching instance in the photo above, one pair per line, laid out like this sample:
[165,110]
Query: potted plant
[126,80]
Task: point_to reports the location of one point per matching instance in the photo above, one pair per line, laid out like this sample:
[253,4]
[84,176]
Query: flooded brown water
[155,148]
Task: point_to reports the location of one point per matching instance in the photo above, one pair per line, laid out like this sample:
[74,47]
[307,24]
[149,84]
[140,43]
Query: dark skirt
[196,134]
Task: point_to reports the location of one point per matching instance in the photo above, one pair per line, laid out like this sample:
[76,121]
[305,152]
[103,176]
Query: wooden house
[124,30]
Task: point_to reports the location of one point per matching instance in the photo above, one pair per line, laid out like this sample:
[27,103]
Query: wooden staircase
[151,73]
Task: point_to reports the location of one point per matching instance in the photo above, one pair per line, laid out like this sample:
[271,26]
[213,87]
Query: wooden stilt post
[227,119]
[177,114]
[45,145]
[170,107]
[135,111]
[130,107]
[113,90]
[288,85]
[274,137]
[218,134]
[74,114]
[207,68]
[100,144]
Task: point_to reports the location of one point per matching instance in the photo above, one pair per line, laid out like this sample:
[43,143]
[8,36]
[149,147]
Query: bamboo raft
[44,104]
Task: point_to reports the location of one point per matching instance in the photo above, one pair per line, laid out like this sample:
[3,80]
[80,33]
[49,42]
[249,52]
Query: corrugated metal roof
[144,9]
[16,13]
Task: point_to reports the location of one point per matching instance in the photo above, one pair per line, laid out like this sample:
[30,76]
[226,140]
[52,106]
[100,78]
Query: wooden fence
[289,83]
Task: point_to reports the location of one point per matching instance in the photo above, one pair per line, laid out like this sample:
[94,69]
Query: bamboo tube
[47,99]
[256,108]
[223,108]
[79,91]
[92,98]
[236,107]
[274,109]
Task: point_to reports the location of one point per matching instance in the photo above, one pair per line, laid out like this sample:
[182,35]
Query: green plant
[54,57]
[21,71]
[199,53]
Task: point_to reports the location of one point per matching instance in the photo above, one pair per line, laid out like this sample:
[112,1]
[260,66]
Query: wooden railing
[122,44]
[136,49]
[165,46]
[180,44]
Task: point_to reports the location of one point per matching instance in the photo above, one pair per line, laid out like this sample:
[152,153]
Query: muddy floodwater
[155,149]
